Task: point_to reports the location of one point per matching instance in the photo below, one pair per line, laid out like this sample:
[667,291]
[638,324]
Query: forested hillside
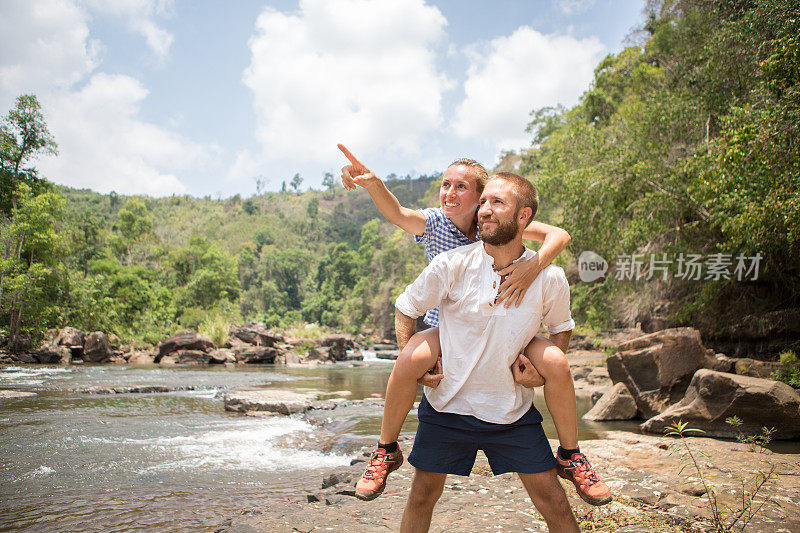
[283,258]
[682,161]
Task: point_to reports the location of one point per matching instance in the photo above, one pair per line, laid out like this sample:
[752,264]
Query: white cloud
[158,40]
[139,16]
[513,75]
[245,166]
[104,146]
[352,71]
[42,44]
[569,7]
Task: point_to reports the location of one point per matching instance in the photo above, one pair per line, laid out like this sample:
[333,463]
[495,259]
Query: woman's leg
[559,394]
[418,356]
[559,390]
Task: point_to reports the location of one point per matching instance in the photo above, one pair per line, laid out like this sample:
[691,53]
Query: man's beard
[504,233]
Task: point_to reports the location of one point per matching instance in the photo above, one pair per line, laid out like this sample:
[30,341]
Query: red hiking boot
[590,487]
[373,480]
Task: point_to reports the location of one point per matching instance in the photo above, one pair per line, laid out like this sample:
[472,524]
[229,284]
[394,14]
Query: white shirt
[480,339]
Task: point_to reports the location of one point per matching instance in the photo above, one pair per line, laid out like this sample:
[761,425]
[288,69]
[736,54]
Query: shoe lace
[583,466]
[377,464]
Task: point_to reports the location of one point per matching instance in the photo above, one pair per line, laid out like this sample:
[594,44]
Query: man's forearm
[404,328]
[561,339]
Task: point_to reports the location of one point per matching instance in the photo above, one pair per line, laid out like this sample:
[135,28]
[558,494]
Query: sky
[202,97]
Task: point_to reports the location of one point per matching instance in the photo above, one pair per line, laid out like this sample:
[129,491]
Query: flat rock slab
[273,400]
[649,494]
[14,394]
[134,389]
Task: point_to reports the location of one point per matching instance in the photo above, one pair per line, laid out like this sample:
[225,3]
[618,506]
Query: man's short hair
[478,172]
[524,191]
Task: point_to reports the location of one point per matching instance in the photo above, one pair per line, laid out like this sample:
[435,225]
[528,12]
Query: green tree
[289,269]
[23,137]
[204,274]
[264,237]
[329,183]
[134,227]
[87,238]
[250,206]
[296,182]
[335,278]
[312,209]
[30,261]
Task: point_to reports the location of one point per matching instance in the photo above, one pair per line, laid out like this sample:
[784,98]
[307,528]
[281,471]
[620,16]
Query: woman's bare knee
[419,355]
[554,362]
[547,358]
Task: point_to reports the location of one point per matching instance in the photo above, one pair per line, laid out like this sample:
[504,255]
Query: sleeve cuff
[428,223]
[403,304]
[560,328]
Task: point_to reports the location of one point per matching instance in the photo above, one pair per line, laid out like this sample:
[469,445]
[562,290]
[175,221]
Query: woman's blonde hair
[478,172]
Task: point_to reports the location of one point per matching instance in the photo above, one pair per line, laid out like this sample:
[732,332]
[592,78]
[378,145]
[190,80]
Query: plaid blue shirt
[440,236]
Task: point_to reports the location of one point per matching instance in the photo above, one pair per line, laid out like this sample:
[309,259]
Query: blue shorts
[447,443]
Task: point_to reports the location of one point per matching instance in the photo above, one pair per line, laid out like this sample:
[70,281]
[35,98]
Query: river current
[176,461]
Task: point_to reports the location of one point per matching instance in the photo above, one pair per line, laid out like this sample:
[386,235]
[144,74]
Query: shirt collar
[527,253]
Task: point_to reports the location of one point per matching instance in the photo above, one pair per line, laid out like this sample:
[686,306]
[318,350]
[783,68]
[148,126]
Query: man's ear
[525,215]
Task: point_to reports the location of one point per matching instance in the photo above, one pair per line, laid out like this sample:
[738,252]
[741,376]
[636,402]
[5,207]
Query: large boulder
[96,348]
[140,358]
[50,336]
[185,340]
[255,355]
[19,344]
[222,356]
[616,404]
[51,354]
[255,333]
[320,353]
[192,357]
[657,367]
[338,344]
[70,336]
[712,397]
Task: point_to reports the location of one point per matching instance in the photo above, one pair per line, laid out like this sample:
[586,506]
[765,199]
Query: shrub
[789,374]
[755,490]
[216,328]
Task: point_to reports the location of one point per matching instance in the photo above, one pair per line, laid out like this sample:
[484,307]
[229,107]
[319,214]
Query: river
[175,461]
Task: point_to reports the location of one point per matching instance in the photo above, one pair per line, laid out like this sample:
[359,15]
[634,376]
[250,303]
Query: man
[482,401]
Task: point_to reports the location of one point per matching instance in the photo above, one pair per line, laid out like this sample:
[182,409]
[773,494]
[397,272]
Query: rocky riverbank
[650,493]
[250,343]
